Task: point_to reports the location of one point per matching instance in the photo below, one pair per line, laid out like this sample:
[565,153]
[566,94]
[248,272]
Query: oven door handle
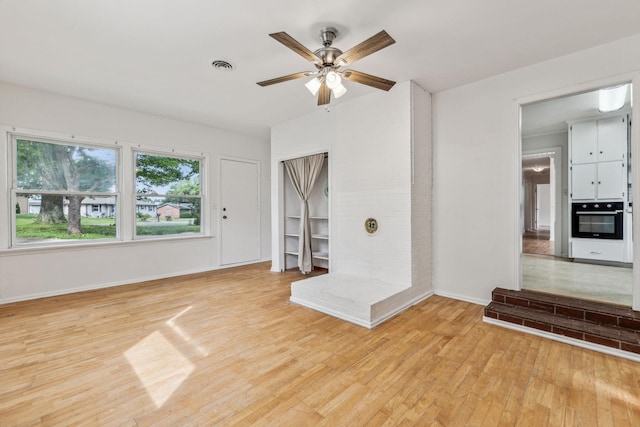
[598,212]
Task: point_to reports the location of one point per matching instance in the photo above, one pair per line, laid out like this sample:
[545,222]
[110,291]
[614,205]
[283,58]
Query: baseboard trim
[567,340]
[461,297]
[60,292]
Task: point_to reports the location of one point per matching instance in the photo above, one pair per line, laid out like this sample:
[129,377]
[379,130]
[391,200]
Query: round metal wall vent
[220,64]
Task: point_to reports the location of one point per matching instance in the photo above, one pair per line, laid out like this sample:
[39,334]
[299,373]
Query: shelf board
[291,235]
[320,236]
[321,255]
[291,253]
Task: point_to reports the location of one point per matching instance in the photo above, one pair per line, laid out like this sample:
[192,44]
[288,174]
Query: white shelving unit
[319,220]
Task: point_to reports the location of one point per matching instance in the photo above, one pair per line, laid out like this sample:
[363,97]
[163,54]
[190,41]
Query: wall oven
[597,220]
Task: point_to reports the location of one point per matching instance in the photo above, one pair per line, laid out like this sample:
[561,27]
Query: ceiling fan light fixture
[314,85]
[339,90]
[333,80]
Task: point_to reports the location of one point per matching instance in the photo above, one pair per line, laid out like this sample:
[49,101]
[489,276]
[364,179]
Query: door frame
[219,204]
[278,177]
[634,79]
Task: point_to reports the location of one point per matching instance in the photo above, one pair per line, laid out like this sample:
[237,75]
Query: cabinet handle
[599,182]
[595,253]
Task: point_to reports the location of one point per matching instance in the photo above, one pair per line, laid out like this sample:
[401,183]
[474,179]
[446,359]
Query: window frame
[202,159]
[12,168]
[125,209]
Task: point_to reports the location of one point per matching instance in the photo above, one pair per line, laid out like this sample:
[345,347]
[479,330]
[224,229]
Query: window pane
[48,218]
[56,167]
[167,175]
[165,216]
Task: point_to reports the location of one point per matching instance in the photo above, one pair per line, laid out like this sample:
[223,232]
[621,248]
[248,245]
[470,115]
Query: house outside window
[173,185]
[58,180]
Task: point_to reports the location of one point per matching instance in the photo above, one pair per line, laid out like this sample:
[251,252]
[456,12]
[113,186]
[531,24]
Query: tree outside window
[171,184]
[61,183]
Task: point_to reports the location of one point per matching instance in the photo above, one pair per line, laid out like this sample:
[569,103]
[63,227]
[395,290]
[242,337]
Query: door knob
[224,217]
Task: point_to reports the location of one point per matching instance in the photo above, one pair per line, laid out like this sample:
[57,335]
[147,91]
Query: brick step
[574,308]
[608,335]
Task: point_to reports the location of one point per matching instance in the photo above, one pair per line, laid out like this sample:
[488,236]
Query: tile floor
[588,281]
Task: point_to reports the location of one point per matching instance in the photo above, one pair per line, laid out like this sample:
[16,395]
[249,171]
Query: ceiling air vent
[222,65]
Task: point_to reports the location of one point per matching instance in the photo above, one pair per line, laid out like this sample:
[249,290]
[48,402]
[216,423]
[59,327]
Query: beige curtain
[303,172]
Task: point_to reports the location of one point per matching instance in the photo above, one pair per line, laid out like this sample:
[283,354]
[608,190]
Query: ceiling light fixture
[314,85]
[612,98]
[327,60]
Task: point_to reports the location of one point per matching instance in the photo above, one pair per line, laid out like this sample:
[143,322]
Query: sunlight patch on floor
[159,365]
[184,335]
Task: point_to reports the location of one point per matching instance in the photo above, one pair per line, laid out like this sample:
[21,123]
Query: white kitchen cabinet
[584,142]
[583,181]
[611,180]
[599,141]
[601,250]
[598,181]
[612,139]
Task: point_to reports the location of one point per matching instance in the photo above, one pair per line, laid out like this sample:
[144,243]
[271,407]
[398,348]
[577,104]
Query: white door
[239,211]
[543,206]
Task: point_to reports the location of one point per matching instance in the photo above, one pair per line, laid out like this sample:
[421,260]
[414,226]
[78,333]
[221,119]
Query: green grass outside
[92,228]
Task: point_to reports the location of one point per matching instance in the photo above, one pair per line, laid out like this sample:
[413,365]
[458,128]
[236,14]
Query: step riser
[558,330]
[578,313]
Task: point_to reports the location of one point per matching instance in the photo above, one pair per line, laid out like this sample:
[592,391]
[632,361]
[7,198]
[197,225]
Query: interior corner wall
[421,197]
[475,171]
[368,139]
[30,274]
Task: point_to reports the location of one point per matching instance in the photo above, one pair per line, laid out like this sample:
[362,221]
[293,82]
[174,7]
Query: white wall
[369,140]
[30,273]
[475,163]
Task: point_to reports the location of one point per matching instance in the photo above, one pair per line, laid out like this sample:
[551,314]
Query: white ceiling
[553,115]
[155,55]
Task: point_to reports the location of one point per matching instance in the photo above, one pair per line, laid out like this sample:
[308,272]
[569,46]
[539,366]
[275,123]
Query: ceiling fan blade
[324,94]
[367,47]
[283,79]
[368,79]
[295,46]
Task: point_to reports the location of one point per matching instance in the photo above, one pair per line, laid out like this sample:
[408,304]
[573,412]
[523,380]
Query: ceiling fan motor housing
[327,56]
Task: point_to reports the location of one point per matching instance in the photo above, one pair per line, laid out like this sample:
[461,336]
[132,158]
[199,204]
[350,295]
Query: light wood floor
[228,348]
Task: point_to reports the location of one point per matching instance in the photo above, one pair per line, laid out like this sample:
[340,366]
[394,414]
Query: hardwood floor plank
[228,348]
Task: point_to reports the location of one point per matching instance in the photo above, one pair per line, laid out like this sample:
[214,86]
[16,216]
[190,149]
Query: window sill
[57,247]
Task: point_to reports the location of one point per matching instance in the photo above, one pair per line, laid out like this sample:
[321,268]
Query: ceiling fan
[328,60]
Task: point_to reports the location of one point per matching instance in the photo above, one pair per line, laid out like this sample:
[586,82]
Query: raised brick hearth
[606,324]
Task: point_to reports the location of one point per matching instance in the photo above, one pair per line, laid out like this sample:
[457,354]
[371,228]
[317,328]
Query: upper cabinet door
[584,142]
[612,139]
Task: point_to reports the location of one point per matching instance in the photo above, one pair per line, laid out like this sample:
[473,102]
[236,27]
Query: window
[170,187]
[63,184]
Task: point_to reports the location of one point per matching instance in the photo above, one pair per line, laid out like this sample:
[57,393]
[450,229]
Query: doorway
[539,205]
[546,128]
[240,211]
